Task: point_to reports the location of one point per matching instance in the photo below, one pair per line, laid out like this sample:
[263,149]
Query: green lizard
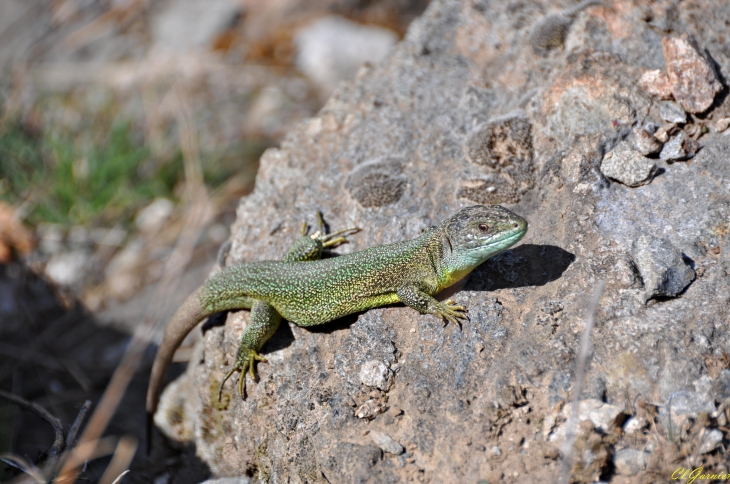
[308,291]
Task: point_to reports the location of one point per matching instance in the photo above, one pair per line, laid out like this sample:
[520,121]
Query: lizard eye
[484,227]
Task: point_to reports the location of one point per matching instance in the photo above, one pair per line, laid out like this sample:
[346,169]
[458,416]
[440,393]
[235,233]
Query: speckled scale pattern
[315,292]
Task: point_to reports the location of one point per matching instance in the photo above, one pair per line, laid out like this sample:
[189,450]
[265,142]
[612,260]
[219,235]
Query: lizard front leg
[415,297]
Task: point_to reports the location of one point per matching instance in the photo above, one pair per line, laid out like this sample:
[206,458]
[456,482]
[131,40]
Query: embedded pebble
[645,142]
[386,443]
[662,134]
[601,415]
[722,124]
[691,76]
[495,451]
[628,167]
[630,461]
[662,267]
[634,424]
[69,268]
[672,112]
[656,83]
[375,374]
[370,409]
[710,441]
[681,147]
[673,150]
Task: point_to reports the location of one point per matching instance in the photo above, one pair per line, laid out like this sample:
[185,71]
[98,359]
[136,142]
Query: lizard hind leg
[262,324]
[245,360]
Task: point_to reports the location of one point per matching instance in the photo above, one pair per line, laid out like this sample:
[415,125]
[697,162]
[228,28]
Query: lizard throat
[460,262]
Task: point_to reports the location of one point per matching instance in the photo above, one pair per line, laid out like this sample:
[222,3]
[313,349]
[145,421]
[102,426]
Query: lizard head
[477,233]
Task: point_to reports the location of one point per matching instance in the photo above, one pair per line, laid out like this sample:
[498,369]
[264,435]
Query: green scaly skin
[310,291]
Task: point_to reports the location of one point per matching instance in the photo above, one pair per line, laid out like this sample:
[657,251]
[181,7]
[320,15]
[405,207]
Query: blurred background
[124,124]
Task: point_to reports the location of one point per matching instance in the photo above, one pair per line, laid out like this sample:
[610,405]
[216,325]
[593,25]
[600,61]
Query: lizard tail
[184,320]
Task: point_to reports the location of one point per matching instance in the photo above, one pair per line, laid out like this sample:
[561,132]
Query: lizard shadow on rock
[525,265]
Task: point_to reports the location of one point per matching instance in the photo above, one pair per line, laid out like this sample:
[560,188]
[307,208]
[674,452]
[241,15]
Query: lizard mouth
[496,246]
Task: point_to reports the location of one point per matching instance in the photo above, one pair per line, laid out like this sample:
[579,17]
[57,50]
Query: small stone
[331,49]
[151,218]
[672,112]
[656,83]
[689,403]
[691,76]
[710,441]
[662,267]
[386,443]
[634,424]
[681,147]
[186,25]
[630,461]
[370,409]
[591,411]
[228,480]
[662,134]
[629,167]
[673,150]
[602,415]
[67,269]
[722,124]
[375,374]
[645,143]
[495,451]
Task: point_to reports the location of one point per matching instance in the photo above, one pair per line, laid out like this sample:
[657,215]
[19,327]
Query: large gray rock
[462,112]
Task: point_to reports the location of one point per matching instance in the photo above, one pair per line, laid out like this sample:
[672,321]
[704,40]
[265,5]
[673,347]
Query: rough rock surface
[662,267]
[406,127]
[692,77]
[628,167]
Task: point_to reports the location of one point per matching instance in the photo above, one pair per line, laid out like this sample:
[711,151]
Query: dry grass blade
[120,476]
[198,214]
[24,466]
[58,443]
[76,426]
[580,371]
[123,455]
[89,451]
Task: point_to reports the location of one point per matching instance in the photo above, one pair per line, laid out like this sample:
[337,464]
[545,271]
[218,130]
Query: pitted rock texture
[502,149]
[457,393]
[377,182]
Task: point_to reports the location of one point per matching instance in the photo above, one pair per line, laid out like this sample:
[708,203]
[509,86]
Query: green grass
[102,184]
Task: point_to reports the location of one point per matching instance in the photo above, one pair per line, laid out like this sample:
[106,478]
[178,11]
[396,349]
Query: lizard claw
[244,361]
[450,312]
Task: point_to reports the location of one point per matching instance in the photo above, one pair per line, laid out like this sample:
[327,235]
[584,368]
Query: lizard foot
[449,311]
[329,240]
[244,361]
